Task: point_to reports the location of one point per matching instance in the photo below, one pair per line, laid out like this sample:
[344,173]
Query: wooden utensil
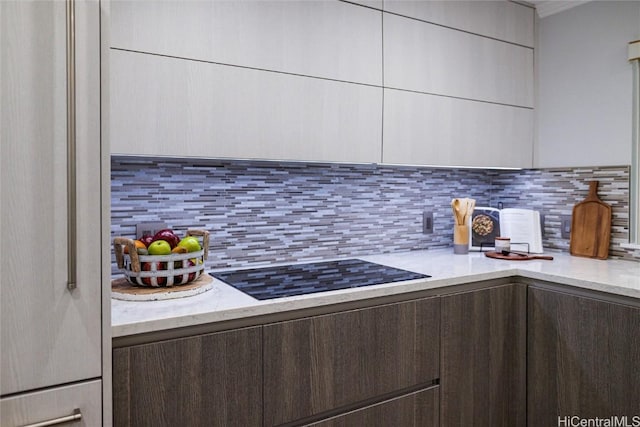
[457,211]
[471,205]
[591,226]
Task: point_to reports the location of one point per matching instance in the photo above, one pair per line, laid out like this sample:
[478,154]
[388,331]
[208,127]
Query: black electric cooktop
[299,279]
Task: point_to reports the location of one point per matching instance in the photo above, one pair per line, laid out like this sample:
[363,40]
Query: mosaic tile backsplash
[261,212]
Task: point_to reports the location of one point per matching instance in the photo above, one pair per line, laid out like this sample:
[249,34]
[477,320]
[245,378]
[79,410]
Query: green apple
[190,243]
[159,247]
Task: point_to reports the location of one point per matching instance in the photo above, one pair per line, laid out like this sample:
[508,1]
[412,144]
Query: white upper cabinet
[443,131]
[329,39]
[502,20]
[376,4]
[437,60]
[304,80]
[173,107]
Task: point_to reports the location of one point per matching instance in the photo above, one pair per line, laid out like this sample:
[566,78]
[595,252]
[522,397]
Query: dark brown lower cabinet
[483,365]
[419,409]
[208,380]
[317,367]
[498,356]
[584,358]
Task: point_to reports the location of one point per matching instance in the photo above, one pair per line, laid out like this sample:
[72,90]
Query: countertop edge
[599,276]
[267,307]
[580,283]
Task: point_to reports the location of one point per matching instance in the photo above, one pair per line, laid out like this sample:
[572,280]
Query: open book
[522,226]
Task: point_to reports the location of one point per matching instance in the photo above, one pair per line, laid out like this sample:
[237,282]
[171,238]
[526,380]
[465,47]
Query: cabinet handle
[71,147]
[74,417]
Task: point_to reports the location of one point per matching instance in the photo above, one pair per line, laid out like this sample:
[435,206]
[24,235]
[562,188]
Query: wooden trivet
[516,257]
[122,289]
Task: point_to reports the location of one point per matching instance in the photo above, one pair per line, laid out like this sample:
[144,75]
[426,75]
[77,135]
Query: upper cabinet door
[49,335]
[502,20]
[443,131]
[319,38]
[277,80]
[167,106]
[433,59]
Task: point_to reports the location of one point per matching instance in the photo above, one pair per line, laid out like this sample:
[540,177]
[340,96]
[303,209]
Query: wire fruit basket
[161,270]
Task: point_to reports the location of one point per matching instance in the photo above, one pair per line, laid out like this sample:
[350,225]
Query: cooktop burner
[299,279]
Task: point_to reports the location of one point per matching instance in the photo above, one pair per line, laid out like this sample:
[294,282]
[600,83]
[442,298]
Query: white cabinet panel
[49,335]
[430,58]
[53,404]
[167,106]
[376,4]
[435,130]
[330,39]
[503,20]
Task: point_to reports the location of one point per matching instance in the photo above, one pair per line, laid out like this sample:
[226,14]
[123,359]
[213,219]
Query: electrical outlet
[149,228]
[427,222]
[565,226]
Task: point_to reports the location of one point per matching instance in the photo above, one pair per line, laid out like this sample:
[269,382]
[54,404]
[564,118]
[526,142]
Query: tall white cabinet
[51,335]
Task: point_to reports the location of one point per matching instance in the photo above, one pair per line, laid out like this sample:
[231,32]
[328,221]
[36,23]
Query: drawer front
[207,380]
[55,404]
[325,363]
[483,374]
[584,358]
[419,409]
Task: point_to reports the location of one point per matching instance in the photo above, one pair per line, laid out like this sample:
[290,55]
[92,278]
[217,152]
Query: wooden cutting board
[591,226]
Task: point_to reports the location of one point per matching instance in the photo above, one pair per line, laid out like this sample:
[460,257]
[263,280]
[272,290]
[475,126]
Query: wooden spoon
[470,206]
[456,205]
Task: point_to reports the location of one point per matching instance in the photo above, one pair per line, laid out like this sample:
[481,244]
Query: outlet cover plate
[565,226]
[149,228]
[427,222]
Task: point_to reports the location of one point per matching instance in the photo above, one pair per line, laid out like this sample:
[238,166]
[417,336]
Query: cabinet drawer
[207,380]
[584,358]
[419,409]
[483,381]
[328,362]
[53,404]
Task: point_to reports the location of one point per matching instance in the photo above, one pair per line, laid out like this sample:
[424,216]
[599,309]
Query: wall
[279,212]
[584,83]
[260,212]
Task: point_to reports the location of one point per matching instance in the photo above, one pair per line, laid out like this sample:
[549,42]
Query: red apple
[168,236]
[146,239]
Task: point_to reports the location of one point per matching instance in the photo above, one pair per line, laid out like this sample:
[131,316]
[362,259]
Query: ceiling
[549,7]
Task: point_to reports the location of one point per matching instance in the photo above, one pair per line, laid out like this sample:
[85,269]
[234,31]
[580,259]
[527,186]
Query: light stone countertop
[224,302]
